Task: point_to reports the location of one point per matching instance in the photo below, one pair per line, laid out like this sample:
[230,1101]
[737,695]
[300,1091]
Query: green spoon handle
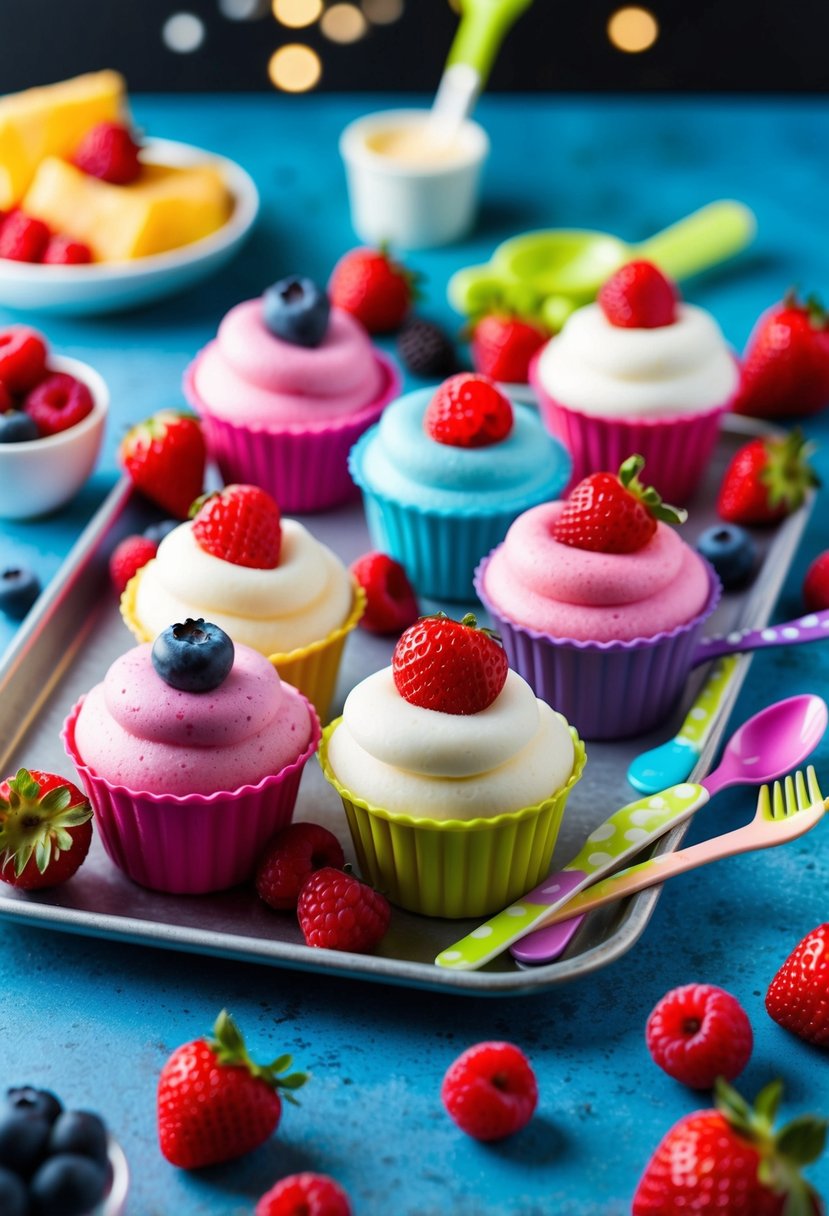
[483,27]
[702,239]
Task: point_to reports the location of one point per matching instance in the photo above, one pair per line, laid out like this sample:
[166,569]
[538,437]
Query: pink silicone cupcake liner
[607,690]
[193,844]
[676,449]
[305,468]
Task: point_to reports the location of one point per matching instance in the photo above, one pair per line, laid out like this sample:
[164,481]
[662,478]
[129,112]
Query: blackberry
[425,350]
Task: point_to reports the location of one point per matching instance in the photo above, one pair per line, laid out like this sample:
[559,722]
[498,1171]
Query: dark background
[558,45]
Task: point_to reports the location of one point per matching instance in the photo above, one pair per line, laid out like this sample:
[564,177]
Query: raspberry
[425,349]
[490,1091]
[697,1033]
[22,358]
[65,251]
[109,152]
[58,402]
[305,1195]
[338,912]
[23,238]
[127,558]
[468,411]
[290,857]
[391,604]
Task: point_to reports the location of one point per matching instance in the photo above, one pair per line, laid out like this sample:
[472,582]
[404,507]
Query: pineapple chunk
[164,209]
[51,120]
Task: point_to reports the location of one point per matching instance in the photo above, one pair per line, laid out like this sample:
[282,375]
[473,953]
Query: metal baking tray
[75,632]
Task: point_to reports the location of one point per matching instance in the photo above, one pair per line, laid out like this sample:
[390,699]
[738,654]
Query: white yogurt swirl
[424,763]
[599,368]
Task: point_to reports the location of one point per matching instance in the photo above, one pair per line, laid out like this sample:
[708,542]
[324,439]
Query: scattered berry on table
[767,479]
[45,829]
[68,1185]
[609,513]
[66,251]
[290,857]
[108,151]
[731,1160]
[23,1142]
[6,402]
[699,1032]
[296,310]
[193,656]
[426,350]
[36,1103]
[373,287]
[23,238]
[339,912]
[798,996]
[19,588]
[732,553]
[14,1195]
[157,532]
[57,403]
[305,1194]
[490,1091]
[468,411]
[165,456]
[450,666]
[816,583]
[17,427]
[503,346]
[638,296]
[241,524]
[82,1132]
[128,557]
[391,603]
[22,358]
[214,1103]
[785,369]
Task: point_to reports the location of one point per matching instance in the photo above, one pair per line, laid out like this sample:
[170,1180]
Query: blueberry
[157,532]
[19,588]
[731,552]
[81,1132]
[17,427]
[67,1185]
[40,1103]
[14,1198]
[194,657]
[23,1141]
[296,310]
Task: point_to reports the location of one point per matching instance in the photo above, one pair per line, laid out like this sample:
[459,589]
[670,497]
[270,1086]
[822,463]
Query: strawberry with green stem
[767,479]
[45,829]
[785,369]
[165,456]
[609,513]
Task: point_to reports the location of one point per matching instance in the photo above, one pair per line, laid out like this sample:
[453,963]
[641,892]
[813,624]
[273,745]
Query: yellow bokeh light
[383,12]
[633,30]
[297,13]
[294,68]
[343,23]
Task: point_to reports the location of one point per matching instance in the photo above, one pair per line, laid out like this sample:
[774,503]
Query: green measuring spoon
[549,273]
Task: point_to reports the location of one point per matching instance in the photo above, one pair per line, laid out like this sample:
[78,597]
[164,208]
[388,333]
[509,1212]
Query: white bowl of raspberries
[52,415]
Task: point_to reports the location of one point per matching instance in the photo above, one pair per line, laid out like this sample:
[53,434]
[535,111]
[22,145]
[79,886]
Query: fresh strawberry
[290,857]
[58,402]
[767,479]
[337,911]
[128,556]
[23,238]
[22,358]
[785,369]
[214,1103]
[65,251]
[730,1160]
[45,829]
[5,398]
[816,583]
[391,604]
[699,1032]
[468,411]
[165,456]
[639,296]
[798,996]
[613,514]
[305,1195]
[373,288]
[241,525]
[490,1091]
[502,347]
[450,666]
[109,152]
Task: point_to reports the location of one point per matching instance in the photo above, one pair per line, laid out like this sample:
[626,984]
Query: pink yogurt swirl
[535,581]
[134,730]
[249,376]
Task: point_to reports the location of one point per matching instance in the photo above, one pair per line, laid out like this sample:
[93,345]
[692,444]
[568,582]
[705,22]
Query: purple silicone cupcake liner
[606,690]
[195,844]
[305,469]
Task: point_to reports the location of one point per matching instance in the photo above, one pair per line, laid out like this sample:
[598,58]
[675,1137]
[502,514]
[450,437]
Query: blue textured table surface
[95,1020]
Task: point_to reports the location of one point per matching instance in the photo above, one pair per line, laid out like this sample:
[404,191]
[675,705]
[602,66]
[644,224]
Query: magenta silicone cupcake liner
[196,843]
[676,449]
[305,468]
[607,690]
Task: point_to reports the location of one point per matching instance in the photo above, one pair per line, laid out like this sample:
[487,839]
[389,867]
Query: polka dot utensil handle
[813,627]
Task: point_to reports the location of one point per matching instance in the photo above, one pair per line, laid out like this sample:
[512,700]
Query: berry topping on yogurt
[639,296]
[468,411]
[240,524]
[296,310]
[195,656]
[606,513]
[450,666]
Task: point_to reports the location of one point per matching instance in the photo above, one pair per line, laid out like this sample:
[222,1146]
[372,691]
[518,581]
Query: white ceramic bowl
[116,1201]
[43,474]
[107,287]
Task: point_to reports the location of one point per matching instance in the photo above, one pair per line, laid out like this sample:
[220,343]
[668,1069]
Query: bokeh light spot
[343,23]
[383,12]
[297,13]
[294,68]
[244,10]
[633,29]
[183,33]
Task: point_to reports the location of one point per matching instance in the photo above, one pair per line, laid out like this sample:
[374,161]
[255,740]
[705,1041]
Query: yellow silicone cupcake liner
[451,867]
[312,669]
